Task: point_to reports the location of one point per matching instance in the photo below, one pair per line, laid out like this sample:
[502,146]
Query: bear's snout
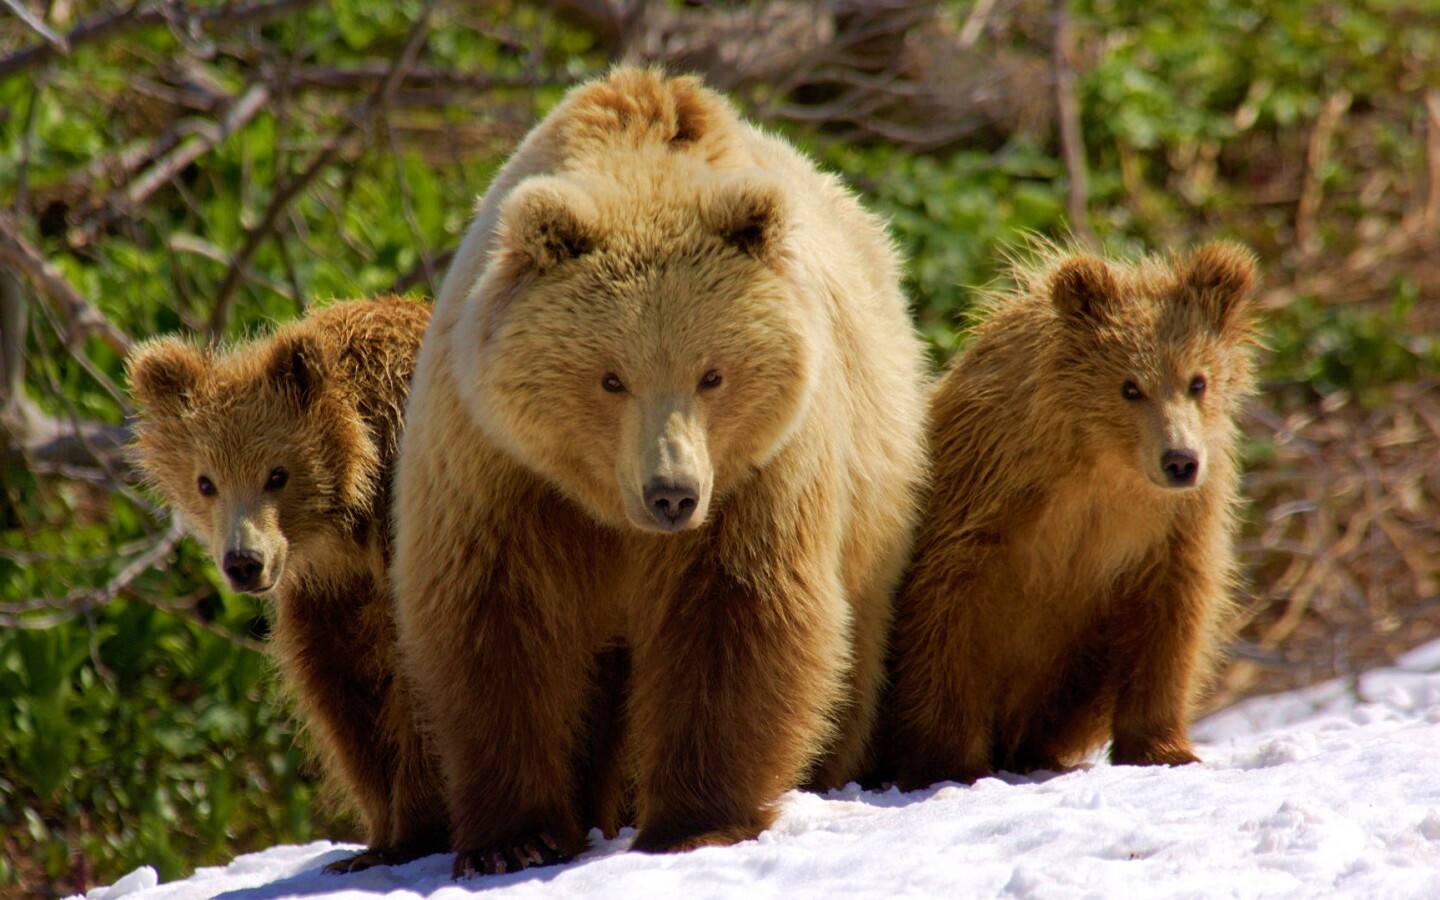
[244,569]
[671,504]
[1181,467]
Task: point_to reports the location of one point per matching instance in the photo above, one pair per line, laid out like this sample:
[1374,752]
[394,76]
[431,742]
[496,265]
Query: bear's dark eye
[612,383]
[1131,391]
[711,380]
[277,479]
[206,486]
[1197,385]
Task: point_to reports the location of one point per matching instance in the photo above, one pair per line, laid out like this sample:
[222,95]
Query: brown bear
[1073,571]
[279,452]
[671,401]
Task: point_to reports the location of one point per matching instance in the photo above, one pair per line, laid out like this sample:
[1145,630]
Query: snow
[1331,791]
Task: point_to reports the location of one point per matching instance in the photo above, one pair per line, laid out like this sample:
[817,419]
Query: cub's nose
[670,504]
[1181,467]
[243,568]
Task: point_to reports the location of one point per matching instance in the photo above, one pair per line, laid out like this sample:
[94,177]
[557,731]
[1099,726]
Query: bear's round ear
[164,374]
[1083,290]
[1221,277]
[548,222]
[751,214]
[297,366]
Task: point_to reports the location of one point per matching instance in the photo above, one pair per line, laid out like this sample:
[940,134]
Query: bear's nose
[1180,466]
[670,504]
[243,568]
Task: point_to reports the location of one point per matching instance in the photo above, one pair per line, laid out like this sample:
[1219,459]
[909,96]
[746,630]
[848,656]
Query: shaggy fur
[321,402]
[655,295]
[1066,588]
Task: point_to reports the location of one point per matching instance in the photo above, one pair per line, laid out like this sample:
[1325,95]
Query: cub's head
[257,447]
[643,344]
[1157,355]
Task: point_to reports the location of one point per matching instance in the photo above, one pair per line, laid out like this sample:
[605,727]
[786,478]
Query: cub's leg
[1157,660]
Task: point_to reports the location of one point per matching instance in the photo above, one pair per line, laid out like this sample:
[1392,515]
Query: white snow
[1333,791]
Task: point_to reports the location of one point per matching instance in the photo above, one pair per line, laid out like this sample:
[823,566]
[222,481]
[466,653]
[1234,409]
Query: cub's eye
[277,479]
[205,486]
[711,380]
[1197,385]
[612,383]
[1131,391]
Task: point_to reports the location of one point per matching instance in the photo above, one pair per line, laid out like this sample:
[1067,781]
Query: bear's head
[1156,356]
[260,448]
[644,344]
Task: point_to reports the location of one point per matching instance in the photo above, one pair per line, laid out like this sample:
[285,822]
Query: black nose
[671,505]
[243,568]
[1181,467]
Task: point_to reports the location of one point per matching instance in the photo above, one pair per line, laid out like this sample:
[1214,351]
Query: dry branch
[103,26]
[1072,143]
[80,316]
[79,603]
[285,193]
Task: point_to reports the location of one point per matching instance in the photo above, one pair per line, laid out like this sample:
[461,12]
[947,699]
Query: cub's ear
[751,214]
[1221,277]
[164,374]
[548,222]
[297,366]
[1083,290]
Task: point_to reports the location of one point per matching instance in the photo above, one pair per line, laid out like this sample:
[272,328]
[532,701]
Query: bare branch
[1072,142]
[35,24]
[79,603]
[220,315]
[102,26]
[80,316]
[1313,191]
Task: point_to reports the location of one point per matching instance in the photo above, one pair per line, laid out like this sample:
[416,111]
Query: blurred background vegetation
[216,167]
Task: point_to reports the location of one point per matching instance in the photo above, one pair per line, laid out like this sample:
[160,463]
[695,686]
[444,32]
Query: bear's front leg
[491,643]
[1157,654]
[735,683]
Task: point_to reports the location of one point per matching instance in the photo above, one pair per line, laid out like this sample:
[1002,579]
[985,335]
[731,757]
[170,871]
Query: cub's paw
[524,852]
[375,856]
[1153,755]
[679,840]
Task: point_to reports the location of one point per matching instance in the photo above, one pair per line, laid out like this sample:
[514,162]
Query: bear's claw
[374,856]
[526,852]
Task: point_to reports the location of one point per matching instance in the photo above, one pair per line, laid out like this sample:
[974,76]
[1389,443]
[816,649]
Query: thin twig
[140,15]
[1313,191]
[1072,143]
[80,316]
[79,603]
[255,236]
[35,24]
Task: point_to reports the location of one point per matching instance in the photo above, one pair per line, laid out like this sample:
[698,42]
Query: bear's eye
[710,381]
[1197,385]
[277,479]
[205,486]
[612,383]
[1131,391]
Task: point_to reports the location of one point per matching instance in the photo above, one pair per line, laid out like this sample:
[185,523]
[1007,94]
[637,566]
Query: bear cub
[279,453]
[1072,575]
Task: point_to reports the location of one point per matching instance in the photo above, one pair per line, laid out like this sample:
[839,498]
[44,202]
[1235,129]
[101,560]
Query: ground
[1331,791]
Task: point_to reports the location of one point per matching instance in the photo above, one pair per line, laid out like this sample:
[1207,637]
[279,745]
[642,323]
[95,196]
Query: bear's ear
[297,366]
[164,374]
[548,222]
[752,216]
[1221,277]
[1083,290]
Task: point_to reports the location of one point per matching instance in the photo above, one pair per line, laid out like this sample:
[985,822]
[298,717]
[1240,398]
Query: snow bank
[1332,791]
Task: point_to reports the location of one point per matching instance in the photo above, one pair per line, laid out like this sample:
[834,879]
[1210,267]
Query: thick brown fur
[1064,589]
[320,400]
[643,231]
